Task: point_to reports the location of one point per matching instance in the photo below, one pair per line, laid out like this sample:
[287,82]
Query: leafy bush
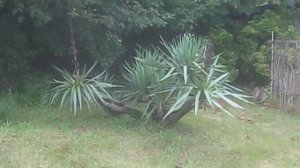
[33,88]
[101,47]
[7,105]
[15,55]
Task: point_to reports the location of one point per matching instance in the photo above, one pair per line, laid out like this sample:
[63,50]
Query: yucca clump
[163,84]
[79,88]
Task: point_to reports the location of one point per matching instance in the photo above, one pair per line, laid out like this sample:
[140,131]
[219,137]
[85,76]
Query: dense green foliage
[36,34]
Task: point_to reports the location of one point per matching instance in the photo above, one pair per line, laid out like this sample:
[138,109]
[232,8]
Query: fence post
[272,67]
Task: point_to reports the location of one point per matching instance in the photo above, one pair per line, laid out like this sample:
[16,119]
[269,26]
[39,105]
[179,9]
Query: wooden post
[272,67]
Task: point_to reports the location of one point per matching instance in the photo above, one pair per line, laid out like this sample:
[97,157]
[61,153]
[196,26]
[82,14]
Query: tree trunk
[116,108]
[177,115]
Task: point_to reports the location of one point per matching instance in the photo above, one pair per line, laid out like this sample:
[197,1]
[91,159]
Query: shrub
[7,105]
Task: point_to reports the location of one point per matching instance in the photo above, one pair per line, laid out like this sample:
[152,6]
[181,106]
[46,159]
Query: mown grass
[38,137]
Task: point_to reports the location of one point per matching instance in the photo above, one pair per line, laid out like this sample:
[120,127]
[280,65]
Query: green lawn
[36,137]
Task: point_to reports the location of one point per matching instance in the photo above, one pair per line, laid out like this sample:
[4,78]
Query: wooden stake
[272,68]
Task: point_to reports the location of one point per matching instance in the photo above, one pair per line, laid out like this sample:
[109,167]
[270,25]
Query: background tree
[35,34]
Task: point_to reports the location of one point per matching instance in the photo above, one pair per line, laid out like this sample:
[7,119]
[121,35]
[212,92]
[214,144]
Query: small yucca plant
[79,88]
[195,80]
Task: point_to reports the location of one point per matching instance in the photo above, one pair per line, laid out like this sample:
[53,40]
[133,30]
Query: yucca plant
[174,80]
[79,88]
[184,56]
[199,82]
[141,87]
[217,87]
